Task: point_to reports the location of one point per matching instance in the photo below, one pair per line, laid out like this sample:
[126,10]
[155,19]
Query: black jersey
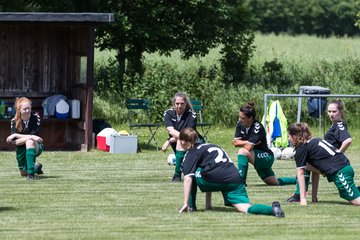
[255,134]
[187,120]
[32,127]
[337,134]
[216,165]
[322,155]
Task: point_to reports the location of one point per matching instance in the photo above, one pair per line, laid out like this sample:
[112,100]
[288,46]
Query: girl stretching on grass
[209,167]
[250,136]
[24,129]
[338,136]
[320,157]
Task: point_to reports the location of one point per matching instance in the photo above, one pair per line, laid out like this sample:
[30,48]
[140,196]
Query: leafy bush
[204,81]
[313,17]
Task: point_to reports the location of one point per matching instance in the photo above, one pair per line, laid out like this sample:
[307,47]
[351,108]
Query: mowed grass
[97,195]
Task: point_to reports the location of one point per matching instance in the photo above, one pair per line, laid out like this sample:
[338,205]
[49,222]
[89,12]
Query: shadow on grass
[332,202]
[3,209]
[222,209]
[149,147]
[261,185]
[45,177]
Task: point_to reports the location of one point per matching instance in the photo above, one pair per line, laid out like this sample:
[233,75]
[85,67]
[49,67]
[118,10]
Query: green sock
[287,181]
[30,160]
[179,158]
[307,181]
[260,209]
[243,165]
[192,200]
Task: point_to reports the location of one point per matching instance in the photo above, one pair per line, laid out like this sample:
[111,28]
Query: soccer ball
[277,152]
[287,153]
[171,159]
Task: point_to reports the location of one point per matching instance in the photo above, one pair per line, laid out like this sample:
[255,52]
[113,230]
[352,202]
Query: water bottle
[45,109]
[2,109]
[9,112]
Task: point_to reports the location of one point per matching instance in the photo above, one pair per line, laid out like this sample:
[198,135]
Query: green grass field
[303,50]
[97,195]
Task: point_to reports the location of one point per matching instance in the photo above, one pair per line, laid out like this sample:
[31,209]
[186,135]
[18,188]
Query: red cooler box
[103,139]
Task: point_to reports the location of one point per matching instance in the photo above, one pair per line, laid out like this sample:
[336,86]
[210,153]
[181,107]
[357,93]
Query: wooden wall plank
[37,60]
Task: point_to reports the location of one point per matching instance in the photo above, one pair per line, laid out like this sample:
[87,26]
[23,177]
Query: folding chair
[204,126]
[139,117]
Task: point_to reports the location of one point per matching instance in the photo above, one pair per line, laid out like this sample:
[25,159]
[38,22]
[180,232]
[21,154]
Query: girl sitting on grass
[24,130]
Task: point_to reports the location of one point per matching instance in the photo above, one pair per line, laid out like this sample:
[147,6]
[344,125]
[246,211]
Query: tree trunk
[120,56]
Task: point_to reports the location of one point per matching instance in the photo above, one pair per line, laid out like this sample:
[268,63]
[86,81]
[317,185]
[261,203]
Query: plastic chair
[204,126]
[139,117]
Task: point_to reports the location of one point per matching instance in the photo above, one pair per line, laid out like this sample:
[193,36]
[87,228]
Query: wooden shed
[44,54]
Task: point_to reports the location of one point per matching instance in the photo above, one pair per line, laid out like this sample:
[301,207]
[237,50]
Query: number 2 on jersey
[220,157]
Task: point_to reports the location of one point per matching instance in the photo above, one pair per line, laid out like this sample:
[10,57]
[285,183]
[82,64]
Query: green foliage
[106,79]
[358,15]
[49,6]
[193,27]
[322,18]
[160,82]
[281,64]
[236,57]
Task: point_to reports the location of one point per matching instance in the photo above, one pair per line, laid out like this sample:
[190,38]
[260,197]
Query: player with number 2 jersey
[209,167]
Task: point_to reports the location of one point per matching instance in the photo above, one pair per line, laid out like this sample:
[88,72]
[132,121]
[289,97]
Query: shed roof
[85,17]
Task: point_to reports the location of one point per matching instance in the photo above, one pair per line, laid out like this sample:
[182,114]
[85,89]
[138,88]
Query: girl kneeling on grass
[320,157]
[24,129]
[209,167]
[250,137]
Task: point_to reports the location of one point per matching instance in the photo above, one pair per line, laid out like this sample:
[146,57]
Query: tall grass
[304,50]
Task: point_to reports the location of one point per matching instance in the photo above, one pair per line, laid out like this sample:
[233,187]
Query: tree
[322,18]
[358,15]
[192,26]
[15,5]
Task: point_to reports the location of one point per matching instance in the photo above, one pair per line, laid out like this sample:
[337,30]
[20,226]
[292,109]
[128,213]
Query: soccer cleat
[176,178]
[192,209]
[30,177]
[294,198]
[277,211]
[39,167]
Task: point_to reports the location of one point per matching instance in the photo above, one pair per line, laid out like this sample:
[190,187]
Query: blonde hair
[300,132]
[17,106]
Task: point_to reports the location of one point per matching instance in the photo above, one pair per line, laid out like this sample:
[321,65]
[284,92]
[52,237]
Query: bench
[139,117]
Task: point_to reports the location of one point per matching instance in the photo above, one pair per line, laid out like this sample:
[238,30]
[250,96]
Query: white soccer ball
[276,151]
[287,153]
[171,159]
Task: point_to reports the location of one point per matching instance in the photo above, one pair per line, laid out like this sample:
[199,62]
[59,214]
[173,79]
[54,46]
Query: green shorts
[233,193]
[344,181]
[263,163]
[21,156]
